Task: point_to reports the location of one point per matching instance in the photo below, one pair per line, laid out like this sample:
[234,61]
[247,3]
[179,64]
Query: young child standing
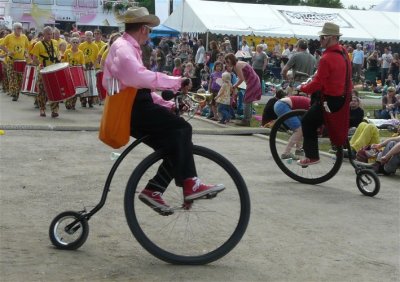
[214,87]
[189,70]
[223,98]
[177,71]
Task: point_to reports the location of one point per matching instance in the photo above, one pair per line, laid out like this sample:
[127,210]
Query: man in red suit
[331,105]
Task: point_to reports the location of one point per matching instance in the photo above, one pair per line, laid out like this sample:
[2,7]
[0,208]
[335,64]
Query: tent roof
[163,28]
[163,31]
[281,21]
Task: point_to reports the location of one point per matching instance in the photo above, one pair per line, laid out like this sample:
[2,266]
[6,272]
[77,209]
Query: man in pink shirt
[151,115]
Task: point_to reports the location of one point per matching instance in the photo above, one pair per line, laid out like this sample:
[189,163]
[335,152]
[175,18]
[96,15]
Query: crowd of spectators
[189,57]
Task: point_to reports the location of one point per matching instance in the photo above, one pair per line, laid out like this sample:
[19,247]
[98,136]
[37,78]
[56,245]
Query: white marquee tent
[282,21]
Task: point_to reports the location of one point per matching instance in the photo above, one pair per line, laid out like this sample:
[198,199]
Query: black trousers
[260,74]
[167,131]
[313,119]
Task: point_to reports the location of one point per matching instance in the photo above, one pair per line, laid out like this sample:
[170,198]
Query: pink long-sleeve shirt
[124,63]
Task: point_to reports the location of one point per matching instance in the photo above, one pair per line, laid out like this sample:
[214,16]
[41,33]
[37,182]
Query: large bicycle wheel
[281,136]
[197,234]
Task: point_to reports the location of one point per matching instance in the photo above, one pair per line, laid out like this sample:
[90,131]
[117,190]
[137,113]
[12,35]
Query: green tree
[149,4]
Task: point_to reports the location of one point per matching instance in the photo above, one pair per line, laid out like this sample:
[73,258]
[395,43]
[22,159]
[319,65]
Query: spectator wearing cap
[358,61]
[302,63]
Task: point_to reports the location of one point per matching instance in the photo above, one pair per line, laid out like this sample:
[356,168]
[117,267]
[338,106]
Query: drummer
[90,52]
[100,45]
[16,46]
[45,53]
[32,43]
[74,57]
[57,36]
[73,35]
[3,57]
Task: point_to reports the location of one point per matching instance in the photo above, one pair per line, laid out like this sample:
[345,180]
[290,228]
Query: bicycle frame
[106,189]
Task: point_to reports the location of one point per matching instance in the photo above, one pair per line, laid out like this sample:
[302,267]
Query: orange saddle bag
[115,123]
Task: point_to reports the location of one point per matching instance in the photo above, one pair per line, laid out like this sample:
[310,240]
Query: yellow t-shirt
[100,44]
[3,54]
[32,43]
[100,56]
[74,58]
[59,40]
[39,50]
[104,57]
[90,52]
[17,45]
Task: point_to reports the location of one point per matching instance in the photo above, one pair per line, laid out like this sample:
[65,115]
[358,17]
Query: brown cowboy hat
[330,29]
[137,15]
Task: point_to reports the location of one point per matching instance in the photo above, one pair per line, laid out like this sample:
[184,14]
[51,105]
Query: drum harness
[50,51]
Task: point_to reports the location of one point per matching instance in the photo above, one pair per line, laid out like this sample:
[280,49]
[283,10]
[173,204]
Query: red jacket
[331,75]
[331,80]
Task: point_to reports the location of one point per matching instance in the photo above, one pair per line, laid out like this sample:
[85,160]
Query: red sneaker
[193,189]
[306,162]
[154,200]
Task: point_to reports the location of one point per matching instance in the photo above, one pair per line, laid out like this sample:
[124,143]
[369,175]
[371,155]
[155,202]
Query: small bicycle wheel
[68,231]
[193,107]
[196,233]
[281,137]
[368,182]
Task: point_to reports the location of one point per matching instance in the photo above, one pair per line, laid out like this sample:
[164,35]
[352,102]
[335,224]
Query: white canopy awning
[282,21]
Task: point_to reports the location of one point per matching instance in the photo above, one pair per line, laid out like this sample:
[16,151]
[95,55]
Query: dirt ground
[297,232]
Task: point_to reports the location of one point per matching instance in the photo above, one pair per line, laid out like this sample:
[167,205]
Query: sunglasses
[149,28]
[323,37]
[74,42]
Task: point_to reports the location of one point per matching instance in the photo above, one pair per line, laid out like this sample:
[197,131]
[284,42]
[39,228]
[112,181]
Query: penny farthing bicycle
[281,136]
[196,232]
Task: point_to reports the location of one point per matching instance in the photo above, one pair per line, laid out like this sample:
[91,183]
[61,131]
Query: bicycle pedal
[211,195]
[165,212]
[187,205]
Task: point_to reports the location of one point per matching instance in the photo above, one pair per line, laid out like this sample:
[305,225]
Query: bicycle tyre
[366,178]
[70,240]
[302,175]
[141,229]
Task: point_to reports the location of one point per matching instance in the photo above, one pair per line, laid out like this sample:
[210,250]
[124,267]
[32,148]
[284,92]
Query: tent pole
[207,41]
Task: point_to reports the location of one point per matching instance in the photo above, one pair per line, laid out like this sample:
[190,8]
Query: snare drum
[19,66]
[90,76]
[78,79]
[57,82]
[100,89]
[29,81]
